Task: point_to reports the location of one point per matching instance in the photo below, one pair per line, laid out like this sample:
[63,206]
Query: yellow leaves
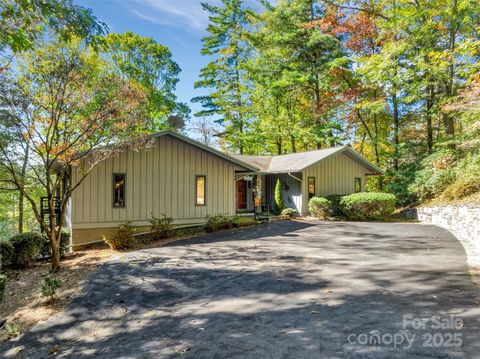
[62,151]
[441,58]
[121,125]
[28,134]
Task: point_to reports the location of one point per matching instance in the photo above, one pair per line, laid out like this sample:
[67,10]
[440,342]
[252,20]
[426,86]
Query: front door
[241,194]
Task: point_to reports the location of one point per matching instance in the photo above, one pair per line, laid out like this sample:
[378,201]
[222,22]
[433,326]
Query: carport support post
[254,197]
[257,198]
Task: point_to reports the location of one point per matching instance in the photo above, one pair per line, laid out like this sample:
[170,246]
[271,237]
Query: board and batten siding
[160,179]
[333,175]
[292,196]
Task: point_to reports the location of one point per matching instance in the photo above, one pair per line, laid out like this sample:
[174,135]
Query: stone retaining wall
[462,221]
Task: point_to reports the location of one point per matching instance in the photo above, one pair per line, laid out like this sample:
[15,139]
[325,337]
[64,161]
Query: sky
[178,24]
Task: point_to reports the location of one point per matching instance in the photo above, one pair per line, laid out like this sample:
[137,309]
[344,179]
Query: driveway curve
[290,289]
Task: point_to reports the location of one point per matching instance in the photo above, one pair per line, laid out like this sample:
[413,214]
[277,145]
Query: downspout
[68,212]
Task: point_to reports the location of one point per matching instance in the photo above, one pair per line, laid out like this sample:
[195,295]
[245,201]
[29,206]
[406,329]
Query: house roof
[213,151]
[260,162]
[293,162]
[185,139]
[296,162]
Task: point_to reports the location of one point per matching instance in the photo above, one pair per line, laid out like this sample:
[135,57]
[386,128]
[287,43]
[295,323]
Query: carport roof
[296,162]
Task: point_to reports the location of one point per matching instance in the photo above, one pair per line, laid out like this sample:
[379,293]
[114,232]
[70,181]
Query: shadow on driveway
[288,289]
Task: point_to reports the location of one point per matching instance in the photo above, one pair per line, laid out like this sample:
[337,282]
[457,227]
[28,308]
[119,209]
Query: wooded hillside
[397,79]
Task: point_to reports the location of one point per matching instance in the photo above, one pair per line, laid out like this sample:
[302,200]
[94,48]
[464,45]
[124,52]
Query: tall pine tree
[225,76]
[301,62]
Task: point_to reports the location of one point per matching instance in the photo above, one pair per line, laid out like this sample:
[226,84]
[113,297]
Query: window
[118,190]
[200,187]
[358,184]
[311,187]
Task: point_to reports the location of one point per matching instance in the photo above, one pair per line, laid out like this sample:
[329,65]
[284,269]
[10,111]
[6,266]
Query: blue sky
[178,24]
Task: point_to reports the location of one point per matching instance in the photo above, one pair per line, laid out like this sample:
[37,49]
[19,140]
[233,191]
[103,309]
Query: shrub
[49,287]
[6,253]
[217,222]
[240,222]
[3,282]
[289,212]
[161,226]
[46,249]
[461,188]
[467,181]
[279,202]
[189,231]
[64,242]
[362,206]
[319,207]
[26,248]
[438,171]
[334,200]
[122,238]
[12,330]
[400,183]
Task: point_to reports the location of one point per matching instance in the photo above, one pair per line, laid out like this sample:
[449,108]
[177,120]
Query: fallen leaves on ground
[23,305]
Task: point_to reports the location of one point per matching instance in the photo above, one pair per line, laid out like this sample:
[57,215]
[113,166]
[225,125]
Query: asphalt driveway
[289,289]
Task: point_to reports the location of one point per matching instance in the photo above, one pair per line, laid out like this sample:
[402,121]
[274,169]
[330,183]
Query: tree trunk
[377,162]
[240,142]
[331,138]
[279,146]
[429,134]
[239,103]
[293,143]
[362,143]
[429,119]
[396,131]
[21,197]
[375,145]
[21,204]
[55,246]
[317,109]
[447,118]
[449,125]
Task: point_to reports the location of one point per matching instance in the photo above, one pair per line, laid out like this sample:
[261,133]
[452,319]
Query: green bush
[122,238]
[6,253]
[366,205]
[289,212]
[437,173]
[220,221]
[400,183]
[467,180]
[64,242]
[26,248]
[319,207]
[217,222]
[240,222]
[188,231]
[46,250]
[461,188]
[49,287]
[334,200]
[12,330]
[279,204]
[161,227]
[3,283]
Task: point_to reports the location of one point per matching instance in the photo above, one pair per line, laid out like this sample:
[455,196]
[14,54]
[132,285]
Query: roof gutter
[298,179]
